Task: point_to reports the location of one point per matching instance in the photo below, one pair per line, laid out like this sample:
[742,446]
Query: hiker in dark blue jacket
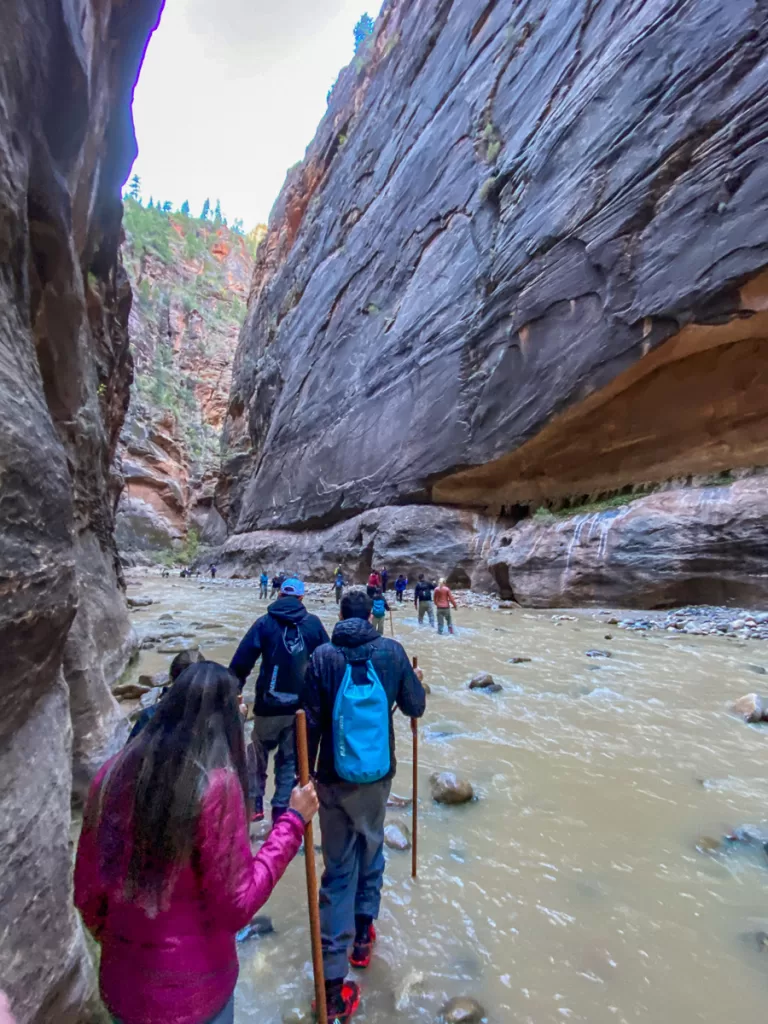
[341,704]
[284,639]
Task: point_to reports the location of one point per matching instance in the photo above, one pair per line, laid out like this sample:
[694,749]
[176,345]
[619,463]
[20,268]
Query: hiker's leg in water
[422,611]
[431,613]
[441,616]
[367,812]
[285,764]
[261,749]
[339,882]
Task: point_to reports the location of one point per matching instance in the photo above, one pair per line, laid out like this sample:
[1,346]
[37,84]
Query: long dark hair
[150,799]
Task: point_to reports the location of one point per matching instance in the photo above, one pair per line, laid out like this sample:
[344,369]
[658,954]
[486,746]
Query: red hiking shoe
[362,950]
[258,810]
[342,1003]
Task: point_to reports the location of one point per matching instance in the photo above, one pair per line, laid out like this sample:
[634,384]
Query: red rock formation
[191,280]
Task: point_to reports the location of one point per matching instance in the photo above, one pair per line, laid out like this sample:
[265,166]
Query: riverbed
[572,889]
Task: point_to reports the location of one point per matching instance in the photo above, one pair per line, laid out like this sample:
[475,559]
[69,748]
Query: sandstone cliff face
[679,546]
[190,280]
[410,539]
[66,143]
[521,261]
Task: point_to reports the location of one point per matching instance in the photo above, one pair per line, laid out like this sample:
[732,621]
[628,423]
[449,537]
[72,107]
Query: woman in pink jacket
[165,877]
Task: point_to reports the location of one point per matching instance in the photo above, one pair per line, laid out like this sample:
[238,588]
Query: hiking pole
[415,732]
[391,622]
[309,860]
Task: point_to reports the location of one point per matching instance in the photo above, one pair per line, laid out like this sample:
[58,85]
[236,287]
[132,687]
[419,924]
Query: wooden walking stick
[391,622]
[415,731]
[309,860]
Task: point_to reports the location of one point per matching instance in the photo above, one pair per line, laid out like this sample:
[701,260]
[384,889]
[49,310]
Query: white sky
[231,93]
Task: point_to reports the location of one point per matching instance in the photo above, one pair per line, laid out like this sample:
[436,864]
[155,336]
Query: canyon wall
[190,279]
[67,70]
[522,263]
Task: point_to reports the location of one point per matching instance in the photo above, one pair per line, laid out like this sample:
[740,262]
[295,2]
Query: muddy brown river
[572,889]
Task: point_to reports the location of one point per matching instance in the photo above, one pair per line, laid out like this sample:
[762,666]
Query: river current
[574,888]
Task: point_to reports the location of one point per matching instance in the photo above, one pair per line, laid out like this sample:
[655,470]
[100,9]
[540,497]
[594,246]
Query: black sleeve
[247,654]
[411,698]
[310,701]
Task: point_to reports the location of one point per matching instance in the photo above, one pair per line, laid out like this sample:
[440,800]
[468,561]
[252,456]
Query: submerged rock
[462,1010]
[482,681]
[177,648]
[413,980]
[751,707]
[140,602]
[599,654]
[260,925]
[519,661]
[399,801]
[447,788]
[397,836]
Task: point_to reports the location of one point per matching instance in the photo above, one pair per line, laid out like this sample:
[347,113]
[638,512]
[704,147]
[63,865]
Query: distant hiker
[401,583]
[444,600]
[422,600]
[284,639]
[164,876]
[212,569]
[379,611]
[263,585]
[353,685]
[338,571]
[384,578]
[276,581]
[165,574]
[182,661]
[374,582]
[338,587]
[183,574]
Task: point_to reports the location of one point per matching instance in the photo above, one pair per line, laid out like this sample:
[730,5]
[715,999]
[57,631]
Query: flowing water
[572,889]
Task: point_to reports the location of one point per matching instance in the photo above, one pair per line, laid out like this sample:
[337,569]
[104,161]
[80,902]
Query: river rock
[482,681]
[599,654]
[165,617]
[177,648]
[519,660]
[461,1010]
[399,802]
[142,601]
[130,691]
[397,836]
[751,707]
[447,788]
[156,679]
[757,669]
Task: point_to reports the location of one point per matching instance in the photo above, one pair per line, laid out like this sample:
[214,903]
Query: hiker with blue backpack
[284,639]
[353,685]
[379,610]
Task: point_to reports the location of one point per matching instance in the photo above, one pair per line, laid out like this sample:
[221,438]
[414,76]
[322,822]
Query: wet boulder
[140,602]
[156,679]
[165,617]
[397,836]
[447,788]
[484,681]
[399,801]
[752,708]
[130,691]
[462,1010]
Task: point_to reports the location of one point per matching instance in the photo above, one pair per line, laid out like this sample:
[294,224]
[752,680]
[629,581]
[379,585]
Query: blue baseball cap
[293,586]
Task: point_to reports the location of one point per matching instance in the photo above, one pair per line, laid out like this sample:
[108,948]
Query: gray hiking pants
[427,608]
[274,734]
[352,827]
[444,618]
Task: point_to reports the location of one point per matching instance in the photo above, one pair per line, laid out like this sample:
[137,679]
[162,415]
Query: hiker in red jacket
[374,583]
[164,876]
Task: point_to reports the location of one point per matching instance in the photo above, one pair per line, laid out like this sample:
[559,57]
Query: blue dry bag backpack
[379,608]
[361,725]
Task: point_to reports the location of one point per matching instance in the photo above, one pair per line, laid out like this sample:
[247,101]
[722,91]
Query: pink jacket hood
[180,966]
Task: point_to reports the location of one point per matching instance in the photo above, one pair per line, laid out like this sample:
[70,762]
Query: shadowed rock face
[521,260]
[66,143]
[690,545]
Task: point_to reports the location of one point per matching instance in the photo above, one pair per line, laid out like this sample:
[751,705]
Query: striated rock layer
[681,546]
[522,260]
[410,539]
[66,144]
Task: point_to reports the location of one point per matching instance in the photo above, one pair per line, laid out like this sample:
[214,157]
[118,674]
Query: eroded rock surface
[66,145]
[523,259]
[416,538]
[686,545]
